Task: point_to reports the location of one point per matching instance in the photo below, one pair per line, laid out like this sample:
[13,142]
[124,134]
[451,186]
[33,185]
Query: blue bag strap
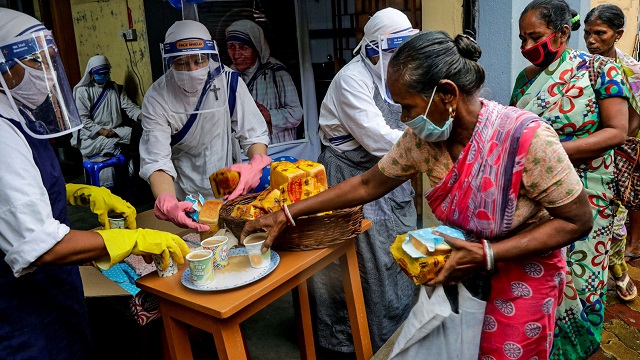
[177,137]
[233,87]
[100,100]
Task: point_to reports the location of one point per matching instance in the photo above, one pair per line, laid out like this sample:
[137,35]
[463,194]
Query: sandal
[631,257]
[625,284]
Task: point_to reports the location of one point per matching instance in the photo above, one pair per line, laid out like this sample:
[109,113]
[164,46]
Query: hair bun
[467,45]
[575,20]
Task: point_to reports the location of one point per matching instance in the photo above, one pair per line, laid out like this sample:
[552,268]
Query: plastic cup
[201,267]
[253,245]
[218,245]
[171,269]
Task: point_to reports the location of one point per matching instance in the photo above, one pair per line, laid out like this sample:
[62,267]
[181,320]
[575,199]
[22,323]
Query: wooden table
[221,312]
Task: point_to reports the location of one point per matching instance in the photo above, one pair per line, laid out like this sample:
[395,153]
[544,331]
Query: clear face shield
[193,76]
[387,45]
[36,85]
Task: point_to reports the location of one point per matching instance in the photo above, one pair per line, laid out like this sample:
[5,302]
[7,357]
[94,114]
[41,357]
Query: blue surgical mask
[428,131]
[102,78]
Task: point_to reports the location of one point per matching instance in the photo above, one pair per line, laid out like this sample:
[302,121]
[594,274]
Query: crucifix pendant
[215,89]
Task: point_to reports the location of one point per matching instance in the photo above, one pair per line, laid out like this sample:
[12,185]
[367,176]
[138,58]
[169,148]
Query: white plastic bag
[434,331]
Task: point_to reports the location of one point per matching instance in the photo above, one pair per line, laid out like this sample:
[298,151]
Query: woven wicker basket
[311,232]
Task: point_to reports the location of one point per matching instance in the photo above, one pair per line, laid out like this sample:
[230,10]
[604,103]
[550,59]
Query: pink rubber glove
[249,174]
[168,208]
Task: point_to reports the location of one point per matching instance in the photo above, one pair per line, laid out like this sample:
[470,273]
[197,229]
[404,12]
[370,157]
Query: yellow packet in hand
[419,269]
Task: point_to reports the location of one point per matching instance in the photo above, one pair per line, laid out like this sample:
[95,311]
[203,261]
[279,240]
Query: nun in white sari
[267,79]
[359,125]
[101,103]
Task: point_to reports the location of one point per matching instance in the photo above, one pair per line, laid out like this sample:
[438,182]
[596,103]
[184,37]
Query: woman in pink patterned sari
[500,174]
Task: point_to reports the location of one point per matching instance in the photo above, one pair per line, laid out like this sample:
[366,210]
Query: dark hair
[431,56]
[555,13]
[609,14]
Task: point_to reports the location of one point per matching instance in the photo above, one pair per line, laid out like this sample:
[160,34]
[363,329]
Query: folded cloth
[124,276]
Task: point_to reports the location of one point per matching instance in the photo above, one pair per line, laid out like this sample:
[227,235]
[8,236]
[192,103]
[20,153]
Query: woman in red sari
[500,174]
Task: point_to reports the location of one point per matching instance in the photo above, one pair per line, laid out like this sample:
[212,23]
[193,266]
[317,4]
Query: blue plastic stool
[96,164]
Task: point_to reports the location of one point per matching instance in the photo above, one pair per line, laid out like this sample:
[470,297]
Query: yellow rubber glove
[101,200]
[122,242]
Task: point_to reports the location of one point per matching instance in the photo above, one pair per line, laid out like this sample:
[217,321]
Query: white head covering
[44,119]
[383,22]
[97,61]
[14,23]
[185,29]
[249,33]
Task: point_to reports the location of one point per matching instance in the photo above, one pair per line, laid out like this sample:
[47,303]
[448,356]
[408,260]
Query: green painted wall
[97,26]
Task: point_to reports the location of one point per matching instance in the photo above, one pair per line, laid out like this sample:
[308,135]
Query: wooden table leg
[177,337]
[355,302]
[303,321]
[229,341]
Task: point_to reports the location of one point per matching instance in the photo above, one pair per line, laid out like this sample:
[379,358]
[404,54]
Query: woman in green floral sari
[591,120]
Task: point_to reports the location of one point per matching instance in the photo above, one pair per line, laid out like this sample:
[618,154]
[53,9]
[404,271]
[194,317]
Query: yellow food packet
[419,269]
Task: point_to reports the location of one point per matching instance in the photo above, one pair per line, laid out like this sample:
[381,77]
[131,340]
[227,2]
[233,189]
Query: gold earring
[451,113]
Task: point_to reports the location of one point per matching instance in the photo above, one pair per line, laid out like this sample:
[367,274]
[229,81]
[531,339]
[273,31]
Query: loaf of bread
[258,200]
[247,212]
[291,192]
[314,170]
[209,215]
[283,172]
[271,202]
[223,182]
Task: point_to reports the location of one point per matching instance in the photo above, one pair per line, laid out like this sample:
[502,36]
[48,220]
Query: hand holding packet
[423,264]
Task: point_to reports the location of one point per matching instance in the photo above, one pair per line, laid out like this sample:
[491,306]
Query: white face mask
[191,81]
[427,130]
[34,87]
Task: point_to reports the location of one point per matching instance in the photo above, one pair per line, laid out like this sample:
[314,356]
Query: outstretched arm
[357,190]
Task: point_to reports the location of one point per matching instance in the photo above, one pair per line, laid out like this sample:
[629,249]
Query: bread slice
[441,249]
[223,182]
[210,215]
[419,239]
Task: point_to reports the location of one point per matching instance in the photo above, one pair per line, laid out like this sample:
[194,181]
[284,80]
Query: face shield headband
[192,69]
[384,48]
[42,98]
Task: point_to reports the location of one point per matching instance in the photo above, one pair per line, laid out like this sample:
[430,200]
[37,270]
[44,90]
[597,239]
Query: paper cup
[253,245]
[171,269]
[218,245]
[116,220]
[201,267]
